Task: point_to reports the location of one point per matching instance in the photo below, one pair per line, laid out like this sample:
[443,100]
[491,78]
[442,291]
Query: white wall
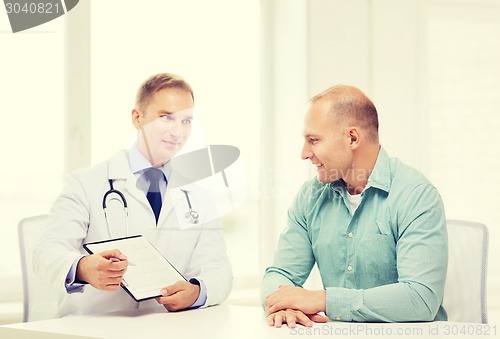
[31,140]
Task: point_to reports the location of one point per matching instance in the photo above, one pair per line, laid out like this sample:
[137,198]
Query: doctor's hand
[179,296]
[100,271]
[294,317]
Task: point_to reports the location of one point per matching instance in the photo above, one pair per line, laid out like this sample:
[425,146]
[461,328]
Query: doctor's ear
[136,118]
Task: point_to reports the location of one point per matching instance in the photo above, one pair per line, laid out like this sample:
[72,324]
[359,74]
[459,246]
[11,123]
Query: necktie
[154,176]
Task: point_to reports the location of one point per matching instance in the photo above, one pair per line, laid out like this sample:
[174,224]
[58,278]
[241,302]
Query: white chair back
[465,289]
[40,299]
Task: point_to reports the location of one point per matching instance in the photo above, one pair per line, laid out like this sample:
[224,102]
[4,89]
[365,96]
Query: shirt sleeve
[202,297]
[69,283]
[422,257]
[294,258]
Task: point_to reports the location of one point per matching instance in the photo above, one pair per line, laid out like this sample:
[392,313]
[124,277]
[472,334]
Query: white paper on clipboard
[148,270]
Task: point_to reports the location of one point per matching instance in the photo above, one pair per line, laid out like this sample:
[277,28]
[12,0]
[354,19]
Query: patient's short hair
[349,105]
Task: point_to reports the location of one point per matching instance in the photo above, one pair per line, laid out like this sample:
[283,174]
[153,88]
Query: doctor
[91,283]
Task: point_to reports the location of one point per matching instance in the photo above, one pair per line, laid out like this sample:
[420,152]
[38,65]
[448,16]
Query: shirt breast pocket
[378,258]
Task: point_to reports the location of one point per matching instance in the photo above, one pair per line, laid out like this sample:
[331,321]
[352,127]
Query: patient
[374,226]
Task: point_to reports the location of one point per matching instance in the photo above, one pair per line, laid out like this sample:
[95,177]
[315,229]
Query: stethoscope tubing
[112,190]
[191,216]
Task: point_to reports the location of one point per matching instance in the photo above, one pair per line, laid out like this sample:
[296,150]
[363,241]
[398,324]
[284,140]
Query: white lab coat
[77,217]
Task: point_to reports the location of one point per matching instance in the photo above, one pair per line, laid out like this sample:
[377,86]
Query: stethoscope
[119,196]
[191,216]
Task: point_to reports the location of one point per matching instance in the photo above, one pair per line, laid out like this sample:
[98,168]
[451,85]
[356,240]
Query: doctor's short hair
[158,82]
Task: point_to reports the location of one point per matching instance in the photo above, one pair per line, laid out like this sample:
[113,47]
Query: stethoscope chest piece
[192,217]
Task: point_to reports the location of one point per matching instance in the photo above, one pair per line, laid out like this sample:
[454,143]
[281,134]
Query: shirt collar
[138,162]
[381,175]
[379,178]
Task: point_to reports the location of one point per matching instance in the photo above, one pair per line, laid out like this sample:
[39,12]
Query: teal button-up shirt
[386,262]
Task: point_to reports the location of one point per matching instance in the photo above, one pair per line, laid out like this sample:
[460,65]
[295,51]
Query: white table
[225,321]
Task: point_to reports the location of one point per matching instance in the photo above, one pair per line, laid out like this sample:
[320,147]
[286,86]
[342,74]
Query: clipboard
[148,271]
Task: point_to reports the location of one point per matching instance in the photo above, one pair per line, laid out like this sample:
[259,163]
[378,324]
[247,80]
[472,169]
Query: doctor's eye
[313,141]
[187,121]
[166,117]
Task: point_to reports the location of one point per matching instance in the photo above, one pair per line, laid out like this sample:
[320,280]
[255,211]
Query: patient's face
[326,143]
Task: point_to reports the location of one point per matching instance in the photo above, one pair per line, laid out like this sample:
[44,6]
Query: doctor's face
[165,124]
[326,143]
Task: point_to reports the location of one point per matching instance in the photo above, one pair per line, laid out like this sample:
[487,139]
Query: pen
[130,263]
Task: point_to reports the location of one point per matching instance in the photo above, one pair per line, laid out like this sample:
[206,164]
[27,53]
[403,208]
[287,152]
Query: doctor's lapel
[119,169]
[170,201]
[174,199]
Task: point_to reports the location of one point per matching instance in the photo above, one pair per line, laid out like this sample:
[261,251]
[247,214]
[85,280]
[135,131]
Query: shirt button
[349,268]
[349,234]
[337,318]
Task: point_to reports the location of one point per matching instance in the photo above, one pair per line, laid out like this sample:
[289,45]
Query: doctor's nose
[175,129]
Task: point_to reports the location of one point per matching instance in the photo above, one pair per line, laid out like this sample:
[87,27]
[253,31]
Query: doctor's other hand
[292,317]
[100,271]
[179,296]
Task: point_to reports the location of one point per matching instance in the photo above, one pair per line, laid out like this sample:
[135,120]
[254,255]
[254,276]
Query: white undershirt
[354,201]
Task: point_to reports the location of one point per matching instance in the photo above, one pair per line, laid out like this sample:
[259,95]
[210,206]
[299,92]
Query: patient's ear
[353,137]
